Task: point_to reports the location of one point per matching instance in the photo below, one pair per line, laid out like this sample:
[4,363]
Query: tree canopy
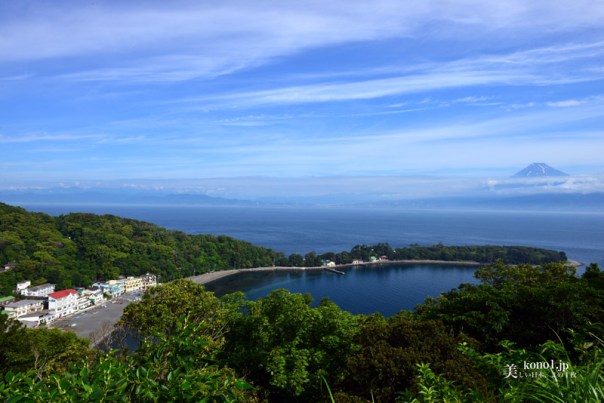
[281,348]
[78,249]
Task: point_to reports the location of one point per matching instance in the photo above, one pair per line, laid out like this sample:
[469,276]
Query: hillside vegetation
[78,249]
[479,343]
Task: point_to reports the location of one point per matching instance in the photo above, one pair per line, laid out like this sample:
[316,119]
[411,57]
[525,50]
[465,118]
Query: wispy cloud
[535,67]
[17,77]
[67,138]
[34,138]
[568,103]
[571,184]
[371,89]
[184,40]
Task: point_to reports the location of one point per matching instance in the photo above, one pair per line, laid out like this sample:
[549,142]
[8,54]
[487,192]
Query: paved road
[93,322]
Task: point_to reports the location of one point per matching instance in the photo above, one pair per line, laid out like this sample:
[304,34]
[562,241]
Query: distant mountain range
[592,202]
[536,187]
[538,170]
[114,197]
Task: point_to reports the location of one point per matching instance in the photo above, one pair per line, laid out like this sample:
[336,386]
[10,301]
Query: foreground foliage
[43,351]
[470,345]
[525,304]
[179,367]
[580,379]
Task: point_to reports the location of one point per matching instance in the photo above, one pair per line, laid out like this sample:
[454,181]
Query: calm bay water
[387,290]
[384,289]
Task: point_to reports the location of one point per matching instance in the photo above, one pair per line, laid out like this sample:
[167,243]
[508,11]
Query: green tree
[296,260]
[525,304]
[41,350]
[179,367]
[161,306]
[390,349]
[287,346]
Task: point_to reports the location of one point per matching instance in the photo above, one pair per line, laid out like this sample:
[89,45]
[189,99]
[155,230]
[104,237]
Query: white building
[39,291]
[22,286]
[115,288]
[62,303]
[83,302]
[37,318]
[94,295]
[133,284]
[149,280]
[23,307]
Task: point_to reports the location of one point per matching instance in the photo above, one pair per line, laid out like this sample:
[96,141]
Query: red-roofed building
[63,302]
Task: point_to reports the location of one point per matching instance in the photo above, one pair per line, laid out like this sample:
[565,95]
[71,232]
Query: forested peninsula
[79,249]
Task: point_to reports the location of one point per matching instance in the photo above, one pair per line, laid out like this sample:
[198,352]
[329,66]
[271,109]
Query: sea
[301,229]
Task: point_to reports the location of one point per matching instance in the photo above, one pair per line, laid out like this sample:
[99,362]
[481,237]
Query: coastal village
[42,304]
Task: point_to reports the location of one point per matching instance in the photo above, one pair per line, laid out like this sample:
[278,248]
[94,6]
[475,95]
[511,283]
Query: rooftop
[23,302]
[40,287]
[62,294]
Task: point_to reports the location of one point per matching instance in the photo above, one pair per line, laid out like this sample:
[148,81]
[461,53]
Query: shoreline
[206,278]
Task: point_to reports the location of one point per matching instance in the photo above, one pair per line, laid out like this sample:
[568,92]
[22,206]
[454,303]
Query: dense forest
[79,249]
[494,341]
[480,254]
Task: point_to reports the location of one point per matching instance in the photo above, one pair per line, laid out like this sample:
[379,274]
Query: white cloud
[180,40]
[524,186]
[535,67]
[370,89]
[68,138]
[564,104]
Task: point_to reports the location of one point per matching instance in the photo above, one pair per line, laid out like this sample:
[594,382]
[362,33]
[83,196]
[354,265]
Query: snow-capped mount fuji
[538,170]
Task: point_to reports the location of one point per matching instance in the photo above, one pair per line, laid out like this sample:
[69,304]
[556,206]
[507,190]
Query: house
[39,291]
[133,284]
[7,267]
[331,264]
[114,288]
[37,318]
[94,294]
[89,297]
[83,302]
[23,307]
[357,261]
[63,303]
[22,286]
[149,280]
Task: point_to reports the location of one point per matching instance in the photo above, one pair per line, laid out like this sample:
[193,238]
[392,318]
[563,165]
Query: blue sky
[208,90]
